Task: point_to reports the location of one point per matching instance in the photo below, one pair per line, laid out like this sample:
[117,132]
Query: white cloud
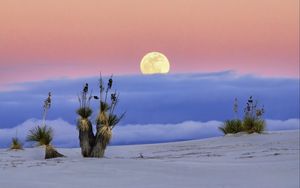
[132,134]
[290,124]
[66,135]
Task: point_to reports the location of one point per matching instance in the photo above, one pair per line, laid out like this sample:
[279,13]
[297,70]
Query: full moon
[155,63]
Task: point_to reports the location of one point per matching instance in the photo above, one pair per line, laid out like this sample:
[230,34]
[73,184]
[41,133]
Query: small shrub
[253,121]
[16,144]
[253,125]
[232,126]
[43,135]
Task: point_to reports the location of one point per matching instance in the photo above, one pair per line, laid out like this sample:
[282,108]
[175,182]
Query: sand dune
[267,160]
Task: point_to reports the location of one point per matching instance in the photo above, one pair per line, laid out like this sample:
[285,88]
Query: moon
[155,63]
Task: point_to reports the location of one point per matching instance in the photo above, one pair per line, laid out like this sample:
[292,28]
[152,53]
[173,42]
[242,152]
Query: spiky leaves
[105,134]
[232,126]
[253,125]
[83,123]
[42,135]
[113,119]
[84,112]
[16,144]
[253,121]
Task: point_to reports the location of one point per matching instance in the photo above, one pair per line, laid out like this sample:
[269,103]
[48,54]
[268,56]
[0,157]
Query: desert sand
[267,160]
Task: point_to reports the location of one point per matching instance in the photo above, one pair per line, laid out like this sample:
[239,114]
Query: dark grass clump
[84,112]
[253,125]
[232,126]
[16,144]
[42,135]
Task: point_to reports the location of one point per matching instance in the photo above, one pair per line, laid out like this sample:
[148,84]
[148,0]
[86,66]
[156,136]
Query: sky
[218,50]
[72,38]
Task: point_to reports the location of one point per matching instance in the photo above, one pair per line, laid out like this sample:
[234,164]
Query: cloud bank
[157,99]
[66,135]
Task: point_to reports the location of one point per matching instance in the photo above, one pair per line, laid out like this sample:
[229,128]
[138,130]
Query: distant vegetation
[232,126]
[252,122]
[16,144]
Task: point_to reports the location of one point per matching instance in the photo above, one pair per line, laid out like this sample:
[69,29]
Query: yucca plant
[232,126]
[43,135]
[235,125]
[84,125]
[16,144]
[253,125]
[106,119]
[94,145]
[252,122]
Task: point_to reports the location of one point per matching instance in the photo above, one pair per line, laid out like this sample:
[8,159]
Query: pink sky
[73,38]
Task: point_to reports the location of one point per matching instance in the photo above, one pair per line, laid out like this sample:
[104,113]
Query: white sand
[268,160]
